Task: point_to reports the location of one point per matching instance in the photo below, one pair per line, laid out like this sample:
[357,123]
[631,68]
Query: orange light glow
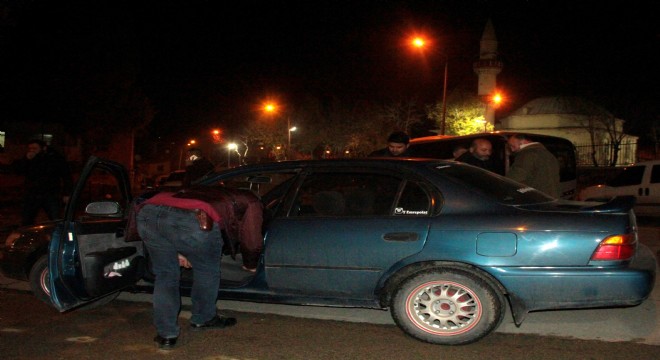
[418,42]
[269,107]
[216,134]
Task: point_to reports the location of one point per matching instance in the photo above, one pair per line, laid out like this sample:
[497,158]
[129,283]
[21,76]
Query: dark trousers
[32,203]
[167,231]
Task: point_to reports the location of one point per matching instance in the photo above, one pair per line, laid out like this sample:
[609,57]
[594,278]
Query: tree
[403,114]
[605,131]
[465,113]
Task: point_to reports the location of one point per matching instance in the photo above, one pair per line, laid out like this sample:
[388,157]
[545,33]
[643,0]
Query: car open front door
[89,257]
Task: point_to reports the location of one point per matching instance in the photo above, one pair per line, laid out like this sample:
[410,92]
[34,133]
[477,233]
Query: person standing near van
[534,165]
[479,155]
[397,146]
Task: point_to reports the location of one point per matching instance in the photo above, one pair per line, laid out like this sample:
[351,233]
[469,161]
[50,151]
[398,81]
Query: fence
[604,154]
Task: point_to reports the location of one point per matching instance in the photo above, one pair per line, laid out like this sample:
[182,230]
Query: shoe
[218,322]
[165,343]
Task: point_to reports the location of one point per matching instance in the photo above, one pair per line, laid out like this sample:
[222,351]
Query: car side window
[628,177]
[655,174]
[271,187]
[346,194]
[414,201]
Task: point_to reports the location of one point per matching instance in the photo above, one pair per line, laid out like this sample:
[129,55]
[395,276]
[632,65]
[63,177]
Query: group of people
[534,165]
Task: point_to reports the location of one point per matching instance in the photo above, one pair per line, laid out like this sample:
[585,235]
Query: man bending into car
[182,232]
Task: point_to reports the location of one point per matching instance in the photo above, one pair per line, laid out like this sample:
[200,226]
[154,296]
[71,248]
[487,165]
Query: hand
[184,262]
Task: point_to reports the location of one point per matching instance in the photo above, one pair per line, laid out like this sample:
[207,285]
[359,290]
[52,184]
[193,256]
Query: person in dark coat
[48,181]
[534,165]
[397,146]
[196,166]
[479,155]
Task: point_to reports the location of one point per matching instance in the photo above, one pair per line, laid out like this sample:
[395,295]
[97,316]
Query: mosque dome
[567,105]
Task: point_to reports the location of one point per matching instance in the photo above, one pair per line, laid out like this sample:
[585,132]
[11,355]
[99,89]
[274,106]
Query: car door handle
[401,236]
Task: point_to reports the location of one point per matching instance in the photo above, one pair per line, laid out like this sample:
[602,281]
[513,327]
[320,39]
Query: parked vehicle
[641,180]
[445,246]
[442,147]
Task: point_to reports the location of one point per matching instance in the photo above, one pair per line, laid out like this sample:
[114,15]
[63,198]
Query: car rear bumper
[546,288]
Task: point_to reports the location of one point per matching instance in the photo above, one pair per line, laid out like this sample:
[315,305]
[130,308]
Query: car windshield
[497,187]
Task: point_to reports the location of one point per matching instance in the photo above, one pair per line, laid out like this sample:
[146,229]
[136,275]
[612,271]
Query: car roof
[501,134]
[380,161]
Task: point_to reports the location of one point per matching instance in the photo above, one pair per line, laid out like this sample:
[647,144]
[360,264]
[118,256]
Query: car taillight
[616,247]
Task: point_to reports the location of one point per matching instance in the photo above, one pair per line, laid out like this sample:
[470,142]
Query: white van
[641,180]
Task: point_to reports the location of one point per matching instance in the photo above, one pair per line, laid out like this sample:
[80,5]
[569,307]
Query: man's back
[535,166]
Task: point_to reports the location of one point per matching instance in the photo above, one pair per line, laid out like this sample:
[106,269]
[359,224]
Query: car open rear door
[89,256]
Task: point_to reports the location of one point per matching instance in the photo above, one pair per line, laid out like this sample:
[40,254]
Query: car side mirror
[103,208]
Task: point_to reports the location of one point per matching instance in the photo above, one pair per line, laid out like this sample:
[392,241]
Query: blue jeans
[167,231]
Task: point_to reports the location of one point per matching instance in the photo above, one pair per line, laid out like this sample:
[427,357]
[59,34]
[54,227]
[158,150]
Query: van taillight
[616,247]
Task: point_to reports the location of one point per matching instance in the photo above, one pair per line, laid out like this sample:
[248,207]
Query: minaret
[487,68]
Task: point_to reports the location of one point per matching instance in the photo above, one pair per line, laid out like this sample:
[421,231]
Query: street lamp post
[189,144]
[420,43]
[272,108]
[230,147]
[444,98]
[289,130]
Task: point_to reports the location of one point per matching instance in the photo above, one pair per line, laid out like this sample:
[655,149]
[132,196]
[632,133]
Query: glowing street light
[216,135]
[288,148]
[269,107]
[190,143]
[230,147]
[272,108]
[420,43]
[497,99]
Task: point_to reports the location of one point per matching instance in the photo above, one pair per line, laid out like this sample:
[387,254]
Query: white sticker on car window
[402,211]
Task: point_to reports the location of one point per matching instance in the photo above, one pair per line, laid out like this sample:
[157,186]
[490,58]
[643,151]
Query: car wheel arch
[32,259]
[388,289]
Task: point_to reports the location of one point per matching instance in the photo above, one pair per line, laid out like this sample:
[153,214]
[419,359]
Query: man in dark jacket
[397,146]
[48,181]
[534,165]
[196,167]
[479,155]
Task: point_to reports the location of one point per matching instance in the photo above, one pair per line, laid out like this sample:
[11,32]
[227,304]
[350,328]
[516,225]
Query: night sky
[204,64]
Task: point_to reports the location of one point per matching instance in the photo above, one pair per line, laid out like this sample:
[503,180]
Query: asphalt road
[122,329]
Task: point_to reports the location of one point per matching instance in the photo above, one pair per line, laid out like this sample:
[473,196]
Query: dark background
[202,64]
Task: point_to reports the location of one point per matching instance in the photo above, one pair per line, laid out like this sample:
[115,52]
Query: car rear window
[497,187]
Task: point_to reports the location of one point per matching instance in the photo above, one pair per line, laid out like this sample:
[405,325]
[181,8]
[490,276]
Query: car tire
[40,285]
[447,307]
[40,280]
